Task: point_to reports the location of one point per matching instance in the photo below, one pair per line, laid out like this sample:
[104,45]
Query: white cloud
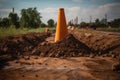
[5,10]
[112,10]
[72,12]
[77,0]
[48,13]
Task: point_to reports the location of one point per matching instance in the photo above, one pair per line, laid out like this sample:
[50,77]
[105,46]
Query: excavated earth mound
[68,47]
[35,44]
[21,44]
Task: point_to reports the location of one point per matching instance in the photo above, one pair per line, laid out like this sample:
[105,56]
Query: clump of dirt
[116,67]
[68,47]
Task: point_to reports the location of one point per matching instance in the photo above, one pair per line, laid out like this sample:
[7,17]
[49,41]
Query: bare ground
[81,56]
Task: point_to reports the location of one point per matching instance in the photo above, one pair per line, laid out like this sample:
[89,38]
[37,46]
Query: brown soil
[103,43]
[73,45]
[37,45]
[68,47]
[46,68]
[87,56]
[21,44]
[81,44]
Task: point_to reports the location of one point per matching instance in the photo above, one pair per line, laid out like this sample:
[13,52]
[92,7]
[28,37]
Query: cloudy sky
[81,8]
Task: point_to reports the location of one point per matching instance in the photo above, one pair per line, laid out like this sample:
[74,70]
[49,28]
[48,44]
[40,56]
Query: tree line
[30,18]
[98,23]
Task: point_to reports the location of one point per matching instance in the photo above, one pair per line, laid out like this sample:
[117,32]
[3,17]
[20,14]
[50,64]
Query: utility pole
[77,20]
[90,19]
[72,22]
[106,19]
[13,10]
[0,17]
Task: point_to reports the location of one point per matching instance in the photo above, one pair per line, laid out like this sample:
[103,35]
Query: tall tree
[115,23]
[43,25]
[51,23]
[83,24]
[70,23]
[4,22]
[97,21]
[104,21]
[30,18]
[13,19]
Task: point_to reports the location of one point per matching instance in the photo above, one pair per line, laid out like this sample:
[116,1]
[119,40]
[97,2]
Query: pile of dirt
[103,43]
[68,47]
[21,44]
[35,44]
[71,46]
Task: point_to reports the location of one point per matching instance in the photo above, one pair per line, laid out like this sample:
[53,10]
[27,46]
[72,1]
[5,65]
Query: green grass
[109,29]
[99,29]
[84,30]
[13,31]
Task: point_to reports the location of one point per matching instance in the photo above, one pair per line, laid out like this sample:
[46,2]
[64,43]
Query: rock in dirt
[116,67]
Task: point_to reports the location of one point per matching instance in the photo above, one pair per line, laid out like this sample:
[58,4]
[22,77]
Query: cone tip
[61,9]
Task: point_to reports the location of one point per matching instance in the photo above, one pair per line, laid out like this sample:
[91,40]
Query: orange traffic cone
[46,30]
[61,29]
